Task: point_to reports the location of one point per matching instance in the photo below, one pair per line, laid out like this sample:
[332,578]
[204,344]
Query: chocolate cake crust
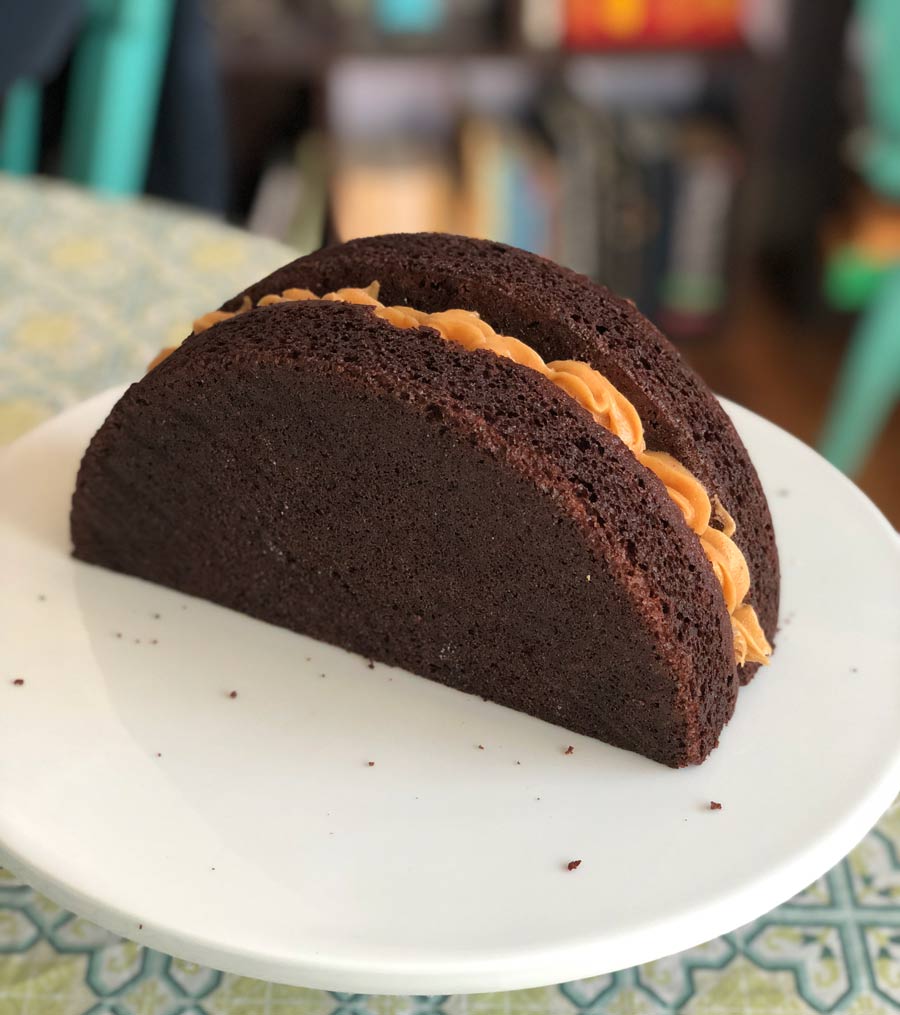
[447,511]
[564,315]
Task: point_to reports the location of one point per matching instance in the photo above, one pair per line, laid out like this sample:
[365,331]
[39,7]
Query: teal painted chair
[868,385]
[869,382]
[111,103]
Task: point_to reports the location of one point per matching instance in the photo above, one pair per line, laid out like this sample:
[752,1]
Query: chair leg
[20,127]
[114,93]
[869,381]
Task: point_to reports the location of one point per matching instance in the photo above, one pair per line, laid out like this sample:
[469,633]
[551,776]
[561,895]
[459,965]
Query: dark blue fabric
[190,157]
[36,38]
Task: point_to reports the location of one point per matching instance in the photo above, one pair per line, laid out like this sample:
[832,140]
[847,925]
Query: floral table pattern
[90,291]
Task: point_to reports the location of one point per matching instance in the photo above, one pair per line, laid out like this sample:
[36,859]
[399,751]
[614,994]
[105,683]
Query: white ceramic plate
[251,834]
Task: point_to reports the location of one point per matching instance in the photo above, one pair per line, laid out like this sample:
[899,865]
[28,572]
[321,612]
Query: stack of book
[637,200]
[605,164]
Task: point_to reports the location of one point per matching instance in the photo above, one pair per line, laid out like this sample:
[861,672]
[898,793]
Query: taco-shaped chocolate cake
[459,458]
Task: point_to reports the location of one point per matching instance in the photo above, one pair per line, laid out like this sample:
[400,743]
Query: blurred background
[731,165]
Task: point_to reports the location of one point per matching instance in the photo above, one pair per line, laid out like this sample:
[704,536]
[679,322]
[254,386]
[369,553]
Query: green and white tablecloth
[90,291]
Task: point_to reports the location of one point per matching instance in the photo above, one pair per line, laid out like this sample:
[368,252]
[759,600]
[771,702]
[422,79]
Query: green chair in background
[868,385]
[111,102]
[20,128]
[869,382]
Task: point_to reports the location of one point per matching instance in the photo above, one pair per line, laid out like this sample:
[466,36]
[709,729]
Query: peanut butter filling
[610,408]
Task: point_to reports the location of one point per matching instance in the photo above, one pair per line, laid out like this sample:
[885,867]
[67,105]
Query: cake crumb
[714,805]
[159,754]
[371,664]
[232,694]
[569,750]
[140,926]
[573,865]
[156,616]
[322,675]
[371,764]
[118,634]
[481,747]
[18,682]
[518,762]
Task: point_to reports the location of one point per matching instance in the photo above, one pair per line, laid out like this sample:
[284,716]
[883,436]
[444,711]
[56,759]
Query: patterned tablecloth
[89,292]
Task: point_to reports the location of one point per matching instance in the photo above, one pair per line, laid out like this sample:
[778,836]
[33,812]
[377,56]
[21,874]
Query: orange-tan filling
[610,408]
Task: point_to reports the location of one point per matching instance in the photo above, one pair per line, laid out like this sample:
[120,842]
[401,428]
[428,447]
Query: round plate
[253,833]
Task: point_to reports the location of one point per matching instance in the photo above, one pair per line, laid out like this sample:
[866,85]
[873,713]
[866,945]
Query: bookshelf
[616,152]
